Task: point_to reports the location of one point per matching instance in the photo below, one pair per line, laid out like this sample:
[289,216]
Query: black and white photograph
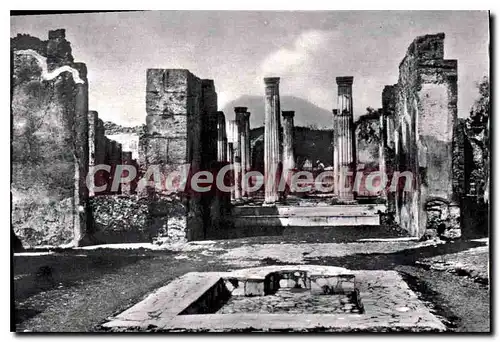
[236,171]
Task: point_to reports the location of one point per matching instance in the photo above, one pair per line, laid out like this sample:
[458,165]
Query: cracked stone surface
[388,304]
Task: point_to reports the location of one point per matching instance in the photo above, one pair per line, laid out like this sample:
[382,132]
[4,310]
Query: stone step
[306,221]
[309,211]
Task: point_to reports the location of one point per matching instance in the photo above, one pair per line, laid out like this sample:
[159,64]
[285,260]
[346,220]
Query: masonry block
[170,126]
[254,287]
[155,149]
[177,151]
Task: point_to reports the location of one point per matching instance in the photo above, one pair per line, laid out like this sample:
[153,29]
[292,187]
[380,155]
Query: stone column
[245,148]
[241,141]
[288,155]
[226,149]
[230,157]
[221,137]
[248,165]
[344,148]
[272,140]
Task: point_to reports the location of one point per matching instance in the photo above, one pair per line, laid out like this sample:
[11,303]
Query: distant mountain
[306,113]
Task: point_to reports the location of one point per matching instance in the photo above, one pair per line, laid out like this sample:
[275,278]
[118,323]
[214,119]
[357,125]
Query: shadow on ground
[388,261]
[34,274]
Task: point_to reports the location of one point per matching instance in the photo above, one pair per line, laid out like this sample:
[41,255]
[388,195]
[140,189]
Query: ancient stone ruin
[49,141]
[299,298]
[442,162]
[420,116]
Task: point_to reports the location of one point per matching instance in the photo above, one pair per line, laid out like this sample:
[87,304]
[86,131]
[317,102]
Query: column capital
[240,109]
[288,113]
[271,81]
[246,115]
[221,116]
[240,114]
[345,80]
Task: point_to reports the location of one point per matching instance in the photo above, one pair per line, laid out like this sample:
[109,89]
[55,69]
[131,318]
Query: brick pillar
[381,151]
[81,129]
[209,117]
[100,154]
[93,143]
[272,141]
[127,160]
[119,161]
[240,155]
[389,107]
[221,137]
[344,149]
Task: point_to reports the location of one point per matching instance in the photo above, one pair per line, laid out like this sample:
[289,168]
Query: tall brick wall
[425,112]
[49,106]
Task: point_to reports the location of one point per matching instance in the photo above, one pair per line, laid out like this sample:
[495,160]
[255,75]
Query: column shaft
[230,155]
[288,154]
[344,150]
[247,143]
[241,156]
[221,137]
[272,158]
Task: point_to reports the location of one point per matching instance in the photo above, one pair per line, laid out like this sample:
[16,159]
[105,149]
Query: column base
[237,201]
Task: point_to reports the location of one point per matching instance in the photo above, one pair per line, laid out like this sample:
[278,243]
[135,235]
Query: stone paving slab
[294,322]
[166,302]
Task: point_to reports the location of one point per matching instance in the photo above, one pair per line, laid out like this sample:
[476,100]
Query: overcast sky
[237,49]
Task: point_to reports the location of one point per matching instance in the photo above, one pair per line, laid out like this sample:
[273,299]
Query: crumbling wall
[49,105]
[473,176]
[309,145]
[105,151]
[369,149]
[120,219]
[128,137]
[425,106]
[368,140]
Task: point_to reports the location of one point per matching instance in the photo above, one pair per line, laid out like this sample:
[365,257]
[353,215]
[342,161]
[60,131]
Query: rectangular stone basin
[280,298]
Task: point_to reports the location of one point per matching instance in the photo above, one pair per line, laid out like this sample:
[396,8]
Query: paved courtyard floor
[80,289]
